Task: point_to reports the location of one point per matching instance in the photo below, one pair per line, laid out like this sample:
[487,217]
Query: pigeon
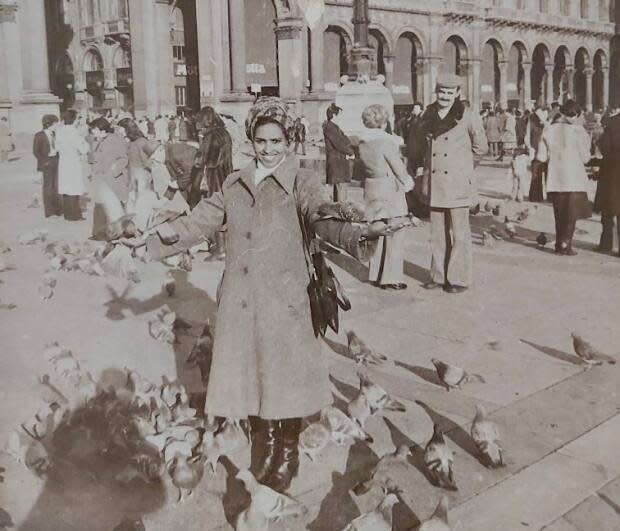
[230,439]
[46,288]
[343,427]
[186,474]
[541,239]
[380,519]
[384,470]
[171,393]
[169,284]
[588,353]
[439,519]
[314,439]
[496,210]
[510,227]
[266,505]
[370,399]
[174,448]
[486,436]
[522,216]
[453,376]
[201,353]
[488,207]
[487,239]
[439,460]
[475,210]
[363,354]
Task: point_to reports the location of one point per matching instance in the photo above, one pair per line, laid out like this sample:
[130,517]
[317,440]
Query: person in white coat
[565,146]
[72,148]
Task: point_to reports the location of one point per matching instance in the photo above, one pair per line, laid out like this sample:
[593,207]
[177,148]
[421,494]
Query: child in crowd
[519,173]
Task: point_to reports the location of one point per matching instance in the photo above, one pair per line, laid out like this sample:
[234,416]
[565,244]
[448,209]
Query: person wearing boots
[565,147]
[266,363]
[608,186]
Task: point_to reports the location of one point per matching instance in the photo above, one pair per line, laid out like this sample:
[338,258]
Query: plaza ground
[559,423]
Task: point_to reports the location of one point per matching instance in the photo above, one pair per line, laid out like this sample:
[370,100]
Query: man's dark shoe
[432,285]
[399,286]
[569,252]
[454,289]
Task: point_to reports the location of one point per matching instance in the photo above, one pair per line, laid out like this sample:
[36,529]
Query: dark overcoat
[337,147]
[608,189]
[266,359]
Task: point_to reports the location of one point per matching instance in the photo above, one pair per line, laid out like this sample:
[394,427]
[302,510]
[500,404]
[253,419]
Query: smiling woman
[267,364]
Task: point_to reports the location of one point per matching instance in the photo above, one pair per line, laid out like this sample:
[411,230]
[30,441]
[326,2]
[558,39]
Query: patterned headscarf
[272,108]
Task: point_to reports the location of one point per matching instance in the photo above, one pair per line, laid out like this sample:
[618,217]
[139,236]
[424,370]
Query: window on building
[178,52]
[180,94]
[543,6]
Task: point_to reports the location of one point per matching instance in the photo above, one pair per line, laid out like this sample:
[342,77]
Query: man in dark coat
[44,149]
[337,148]
[414,139]
[608,189]
[535,127]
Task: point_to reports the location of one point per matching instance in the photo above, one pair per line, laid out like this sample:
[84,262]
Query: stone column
[35,71]
[290,60]
[475,74]
[503,79]
[388,61]
[605,72]
[8,26]
[317,49]
[588,74]
[109,89]
[237,46]
[569,71]
[549,82]
[527,83]
[430,77]
[210,57]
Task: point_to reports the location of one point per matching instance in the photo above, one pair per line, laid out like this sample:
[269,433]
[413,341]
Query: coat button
[446,172]
[445,138]
[245,270]
[244,304]
[434,154]
[434,171]
[248,235]
[445,154]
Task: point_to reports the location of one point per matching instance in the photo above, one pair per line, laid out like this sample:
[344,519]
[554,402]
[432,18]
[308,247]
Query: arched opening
[261,47]
[598,90]
[582,61]
[124,78]
[378,42]
[515,88]
[407,86]
[93,68]
[540,58]
[63,82]
[337,46]
[490,74]
[454,60]
[561,83]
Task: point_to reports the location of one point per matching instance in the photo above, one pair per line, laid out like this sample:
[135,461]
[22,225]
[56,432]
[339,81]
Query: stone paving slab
[516,503]
[593,514]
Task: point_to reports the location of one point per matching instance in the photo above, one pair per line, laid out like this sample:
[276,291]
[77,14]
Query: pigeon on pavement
[541,239]
[439,460]
[384,470]
[343,427]
[588,353]
[186,474]
[314,439]
[380,519]
[370,399]
[453,376]
[363,354]
[511,230]
[486,436]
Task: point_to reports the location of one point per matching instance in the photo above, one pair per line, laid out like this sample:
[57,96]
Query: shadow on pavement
[339,348]
[81,461]
[193,307]
[554,353]
[236,499]
[416,272]
[345,389]
[338,507]
[426,374]
[452,430]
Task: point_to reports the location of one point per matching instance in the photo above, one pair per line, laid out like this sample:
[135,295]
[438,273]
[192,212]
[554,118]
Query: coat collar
[284,175]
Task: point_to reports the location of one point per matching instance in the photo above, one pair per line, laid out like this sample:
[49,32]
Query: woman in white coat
[71,148]
[565,146]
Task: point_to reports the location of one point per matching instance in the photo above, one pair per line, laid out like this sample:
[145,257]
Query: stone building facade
[152,56]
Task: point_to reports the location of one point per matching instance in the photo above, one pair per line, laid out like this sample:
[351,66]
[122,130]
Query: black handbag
[325,292]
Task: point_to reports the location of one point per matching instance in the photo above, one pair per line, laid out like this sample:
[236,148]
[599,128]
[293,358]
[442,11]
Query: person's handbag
[325,292]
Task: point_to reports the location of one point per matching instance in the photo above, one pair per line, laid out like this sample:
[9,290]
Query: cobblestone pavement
[559,423]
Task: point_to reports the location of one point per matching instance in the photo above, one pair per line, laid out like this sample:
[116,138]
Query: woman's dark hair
[266,120]
[102,124]
[207,117]
[48,120]
[131,129]
[570,109]
[69,116]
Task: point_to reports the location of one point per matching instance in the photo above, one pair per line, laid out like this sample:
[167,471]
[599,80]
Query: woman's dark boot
[288,464]
[265,448]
